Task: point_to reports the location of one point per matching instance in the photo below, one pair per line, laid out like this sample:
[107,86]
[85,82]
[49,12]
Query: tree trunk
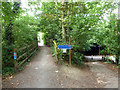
[63,27]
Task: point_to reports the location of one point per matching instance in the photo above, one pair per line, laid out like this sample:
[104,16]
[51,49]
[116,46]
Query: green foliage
[77,58]
[83,22]
[108,36]
[17,32]
[104,52]
[108,62]
[26,32]
[119,66]
[43,38]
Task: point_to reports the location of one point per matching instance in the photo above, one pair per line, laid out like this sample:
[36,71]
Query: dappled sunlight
[41,44]
[59,44]
[94,63]
[40,39]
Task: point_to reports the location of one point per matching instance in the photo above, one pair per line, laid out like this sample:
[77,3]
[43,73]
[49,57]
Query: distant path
[42,72]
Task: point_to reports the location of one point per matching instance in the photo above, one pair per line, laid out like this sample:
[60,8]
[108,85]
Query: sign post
[15,58]
[64,46]
[67,47]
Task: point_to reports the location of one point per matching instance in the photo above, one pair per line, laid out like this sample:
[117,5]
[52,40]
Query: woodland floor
[42,72]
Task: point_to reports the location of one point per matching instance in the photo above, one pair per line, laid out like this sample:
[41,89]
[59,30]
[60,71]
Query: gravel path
[39,73]
[104,76]
[42,72]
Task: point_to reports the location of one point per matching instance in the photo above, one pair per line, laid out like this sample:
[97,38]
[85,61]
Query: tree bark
[63,26]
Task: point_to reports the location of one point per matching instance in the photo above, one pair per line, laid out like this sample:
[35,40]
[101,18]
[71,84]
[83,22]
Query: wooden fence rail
[28,53]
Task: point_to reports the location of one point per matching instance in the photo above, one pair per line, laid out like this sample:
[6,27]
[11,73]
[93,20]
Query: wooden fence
[28,52]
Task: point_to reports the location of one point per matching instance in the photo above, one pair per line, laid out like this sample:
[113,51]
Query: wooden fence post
[28,49]
[15,63]
[69,52]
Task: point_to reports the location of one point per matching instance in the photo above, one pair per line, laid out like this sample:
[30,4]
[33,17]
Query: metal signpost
[69,52]
[64,46]
[67,47]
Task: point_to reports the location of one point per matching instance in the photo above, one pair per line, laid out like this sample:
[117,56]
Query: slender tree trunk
[68,29]
[63,26]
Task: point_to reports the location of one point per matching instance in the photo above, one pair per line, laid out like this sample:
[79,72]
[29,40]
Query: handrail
[22,56]
[16,66]
[25,47]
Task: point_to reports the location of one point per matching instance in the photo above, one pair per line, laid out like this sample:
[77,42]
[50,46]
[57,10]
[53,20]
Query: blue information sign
[64,46]
[15,56]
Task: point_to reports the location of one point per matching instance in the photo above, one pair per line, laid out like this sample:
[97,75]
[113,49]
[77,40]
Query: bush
[76,57]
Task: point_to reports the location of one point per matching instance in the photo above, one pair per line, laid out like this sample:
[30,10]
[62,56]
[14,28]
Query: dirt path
[104,76]
[42,72]
[39,73]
